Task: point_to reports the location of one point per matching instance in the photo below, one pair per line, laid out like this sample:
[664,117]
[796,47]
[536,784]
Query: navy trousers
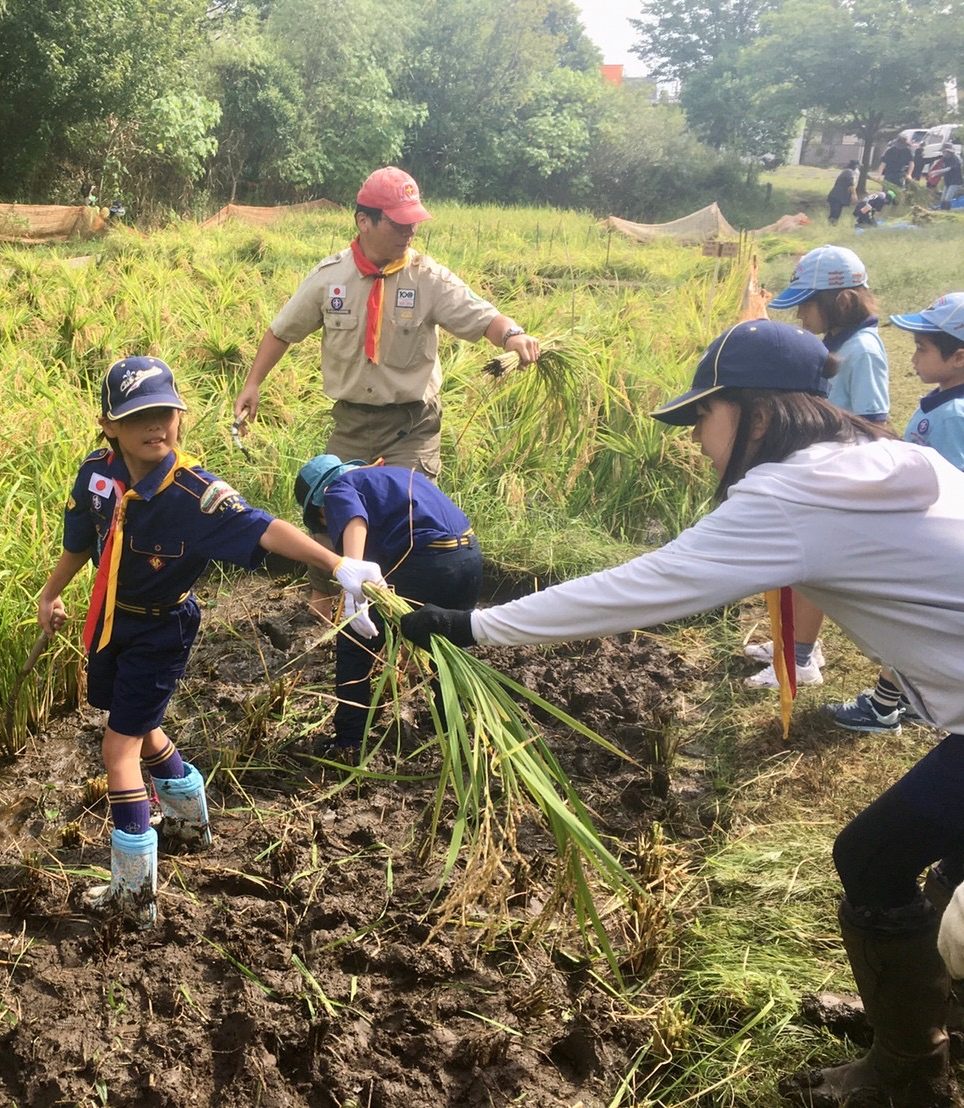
[449,578]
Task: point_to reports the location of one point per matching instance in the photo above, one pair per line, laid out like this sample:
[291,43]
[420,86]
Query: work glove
[950,940]
[351,574]
[451,623]
[361,622]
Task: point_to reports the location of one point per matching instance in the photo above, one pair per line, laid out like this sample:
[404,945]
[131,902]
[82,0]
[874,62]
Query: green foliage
[79,79]
[866,68]
[678,38]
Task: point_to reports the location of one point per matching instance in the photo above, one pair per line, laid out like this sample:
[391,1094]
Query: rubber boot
[184,809]
[132,892]
[904,986]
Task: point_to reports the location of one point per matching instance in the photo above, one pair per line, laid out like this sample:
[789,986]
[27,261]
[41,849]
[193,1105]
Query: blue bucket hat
[945,314]
[824,267]
[315,476]
[755,354]
[134,384]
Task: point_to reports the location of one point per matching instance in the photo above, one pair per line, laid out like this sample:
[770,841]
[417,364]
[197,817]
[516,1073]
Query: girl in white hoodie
[813,496]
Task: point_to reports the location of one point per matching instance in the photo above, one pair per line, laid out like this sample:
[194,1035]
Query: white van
[935,139]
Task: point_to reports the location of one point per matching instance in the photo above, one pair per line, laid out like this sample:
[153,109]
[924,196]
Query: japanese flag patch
[100,485]
[336,298]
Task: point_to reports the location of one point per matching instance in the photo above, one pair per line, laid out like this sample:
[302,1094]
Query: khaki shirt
[417,300]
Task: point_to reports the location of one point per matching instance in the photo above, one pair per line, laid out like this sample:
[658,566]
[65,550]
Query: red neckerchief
[373,322]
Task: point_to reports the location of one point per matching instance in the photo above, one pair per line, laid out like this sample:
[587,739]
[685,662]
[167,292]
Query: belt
[465,539]
[155,610]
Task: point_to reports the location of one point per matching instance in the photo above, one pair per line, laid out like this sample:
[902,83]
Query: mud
[294,962]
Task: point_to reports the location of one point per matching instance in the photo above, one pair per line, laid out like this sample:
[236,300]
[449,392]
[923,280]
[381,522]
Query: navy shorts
[135,675]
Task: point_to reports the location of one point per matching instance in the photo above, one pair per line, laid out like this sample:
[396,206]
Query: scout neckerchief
[104,595]
[779,601]
[373,323]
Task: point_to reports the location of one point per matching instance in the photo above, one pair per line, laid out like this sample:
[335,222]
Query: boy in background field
[939,423]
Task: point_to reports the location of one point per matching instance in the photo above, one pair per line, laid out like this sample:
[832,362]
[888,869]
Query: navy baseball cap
[755,354]
[824,267]
[315,476]
[133,384]
[945,314]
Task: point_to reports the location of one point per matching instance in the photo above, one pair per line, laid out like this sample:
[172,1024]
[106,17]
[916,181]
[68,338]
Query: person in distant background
[867,210]
[844,191]
[897,162]
[949,174]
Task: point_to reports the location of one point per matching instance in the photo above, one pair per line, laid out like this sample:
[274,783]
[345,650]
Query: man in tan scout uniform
[379,305]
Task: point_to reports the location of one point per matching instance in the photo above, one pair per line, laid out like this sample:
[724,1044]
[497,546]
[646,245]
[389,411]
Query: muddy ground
[294,963]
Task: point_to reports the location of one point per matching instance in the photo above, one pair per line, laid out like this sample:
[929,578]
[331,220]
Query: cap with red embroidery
[394,192]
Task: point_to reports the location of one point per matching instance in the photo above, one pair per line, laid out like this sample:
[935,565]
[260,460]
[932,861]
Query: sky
[605,23]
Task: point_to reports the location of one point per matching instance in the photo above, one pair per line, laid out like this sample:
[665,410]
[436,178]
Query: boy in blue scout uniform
[151,518]
[397,517]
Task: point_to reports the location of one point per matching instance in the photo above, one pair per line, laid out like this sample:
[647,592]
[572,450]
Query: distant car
[935,138]
[914,135]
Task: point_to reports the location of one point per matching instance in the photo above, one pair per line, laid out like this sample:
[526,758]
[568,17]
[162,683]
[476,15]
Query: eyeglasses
[401,228]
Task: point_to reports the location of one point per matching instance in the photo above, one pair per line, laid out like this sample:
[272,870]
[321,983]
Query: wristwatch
[511,332]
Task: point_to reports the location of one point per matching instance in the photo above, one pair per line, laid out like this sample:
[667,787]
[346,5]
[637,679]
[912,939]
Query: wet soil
[295,962]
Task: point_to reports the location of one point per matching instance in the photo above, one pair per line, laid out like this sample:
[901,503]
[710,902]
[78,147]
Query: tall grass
[560,473]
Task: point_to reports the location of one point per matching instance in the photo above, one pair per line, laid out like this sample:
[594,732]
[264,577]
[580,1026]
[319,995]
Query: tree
[352,113]
[70,72]
[865,66]
[494,75]
[678,38]
[703,44]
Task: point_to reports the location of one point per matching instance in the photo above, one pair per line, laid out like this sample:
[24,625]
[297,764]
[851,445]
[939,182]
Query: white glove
[361,622]
[950,940]
[350,573]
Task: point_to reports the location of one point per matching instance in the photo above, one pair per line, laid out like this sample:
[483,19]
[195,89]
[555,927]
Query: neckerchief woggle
[373,320]
[103,598]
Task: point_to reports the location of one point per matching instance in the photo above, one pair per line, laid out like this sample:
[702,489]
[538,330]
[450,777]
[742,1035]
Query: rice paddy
[692,949]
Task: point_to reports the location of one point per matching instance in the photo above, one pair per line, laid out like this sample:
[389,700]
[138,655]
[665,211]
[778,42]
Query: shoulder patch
[217,495]
[97,455]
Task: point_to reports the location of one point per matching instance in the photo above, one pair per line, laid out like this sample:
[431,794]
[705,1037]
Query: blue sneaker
[861,715]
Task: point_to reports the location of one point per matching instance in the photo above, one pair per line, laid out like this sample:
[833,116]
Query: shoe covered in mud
[767,678]
[132,892]
[860,714]
[763,652]
[334,750]
[184,810]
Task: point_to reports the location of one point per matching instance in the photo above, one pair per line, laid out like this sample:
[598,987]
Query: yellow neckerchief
[116,537]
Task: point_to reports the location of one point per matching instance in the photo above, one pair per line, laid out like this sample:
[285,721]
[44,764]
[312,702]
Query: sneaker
[763,652]
[767,678]
[861,715]
[909,714]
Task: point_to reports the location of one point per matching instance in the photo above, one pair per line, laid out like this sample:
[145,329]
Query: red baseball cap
[395,193]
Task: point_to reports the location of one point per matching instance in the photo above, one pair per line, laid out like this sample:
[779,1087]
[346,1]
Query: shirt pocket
[403,342]
[165,550]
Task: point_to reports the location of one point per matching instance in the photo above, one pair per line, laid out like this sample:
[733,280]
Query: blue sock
[130,810]
[168,764]
[802,652]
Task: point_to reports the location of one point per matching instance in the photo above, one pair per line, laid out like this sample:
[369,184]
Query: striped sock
[168,764]
[803,652]
[885,697]
[130,810]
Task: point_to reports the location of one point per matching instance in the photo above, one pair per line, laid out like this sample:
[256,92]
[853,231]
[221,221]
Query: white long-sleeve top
[872,533]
